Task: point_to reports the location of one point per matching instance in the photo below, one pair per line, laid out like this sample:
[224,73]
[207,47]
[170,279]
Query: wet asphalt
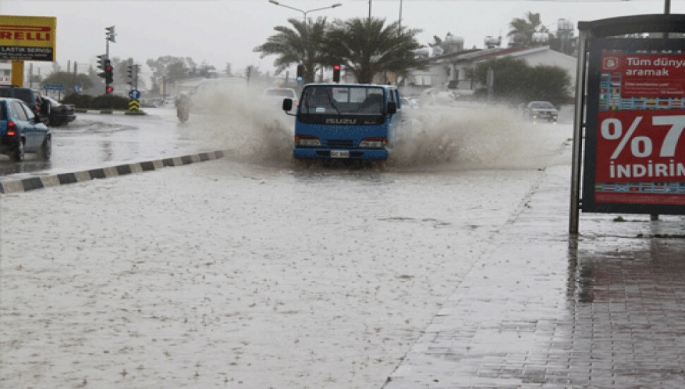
[544,309]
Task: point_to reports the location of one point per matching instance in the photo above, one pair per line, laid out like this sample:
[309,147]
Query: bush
[517,83]
[109,102]
[78,100]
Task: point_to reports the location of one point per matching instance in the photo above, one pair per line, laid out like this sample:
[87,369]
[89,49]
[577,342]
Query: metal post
[578,126]
[400,20]
[667,10]
[73,78]
[490,83]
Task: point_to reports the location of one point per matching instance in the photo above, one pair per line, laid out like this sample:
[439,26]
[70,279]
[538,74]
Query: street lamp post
[304,13]
[399,25]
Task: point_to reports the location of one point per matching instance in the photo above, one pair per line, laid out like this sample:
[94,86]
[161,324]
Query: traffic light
[109,89]
[133,76]
[300,73]
[101,65]
[109,72]
[111,34]
[336,73]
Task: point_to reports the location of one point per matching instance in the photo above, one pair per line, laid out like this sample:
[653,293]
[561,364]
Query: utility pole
[399,25]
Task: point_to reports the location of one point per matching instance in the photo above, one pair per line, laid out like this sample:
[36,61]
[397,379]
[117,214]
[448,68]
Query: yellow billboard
[27,38]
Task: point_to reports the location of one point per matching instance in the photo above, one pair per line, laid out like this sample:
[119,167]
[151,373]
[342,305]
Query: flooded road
[253,271]
[99,140]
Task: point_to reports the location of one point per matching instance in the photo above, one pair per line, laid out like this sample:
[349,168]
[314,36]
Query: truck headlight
[373,143]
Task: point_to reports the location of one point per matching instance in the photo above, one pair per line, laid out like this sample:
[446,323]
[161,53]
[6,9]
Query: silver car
[537,111]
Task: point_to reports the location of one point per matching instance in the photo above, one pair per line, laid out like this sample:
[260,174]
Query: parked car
[59,113]
[22,131]
[540,110]
[31,97]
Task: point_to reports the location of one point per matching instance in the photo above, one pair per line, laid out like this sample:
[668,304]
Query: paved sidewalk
[544,310]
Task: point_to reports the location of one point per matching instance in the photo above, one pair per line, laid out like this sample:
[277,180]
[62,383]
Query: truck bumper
[357,154]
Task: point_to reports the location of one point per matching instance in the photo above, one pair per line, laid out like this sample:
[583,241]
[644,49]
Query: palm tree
[366,47]
[301,44]
[523,29]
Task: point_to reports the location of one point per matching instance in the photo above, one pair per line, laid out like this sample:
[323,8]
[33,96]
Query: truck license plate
[340,153]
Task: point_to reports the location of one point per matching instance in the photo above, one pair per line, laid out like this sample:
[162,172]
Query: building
[5,72]
[448,71]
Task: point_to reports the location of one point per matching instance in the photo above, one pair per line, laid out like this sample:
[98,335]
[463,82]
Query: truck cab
[346,121]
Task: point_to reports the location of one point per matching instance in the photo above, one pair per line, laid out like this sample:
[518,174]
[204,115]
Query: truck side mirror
[287,104]
[392,107]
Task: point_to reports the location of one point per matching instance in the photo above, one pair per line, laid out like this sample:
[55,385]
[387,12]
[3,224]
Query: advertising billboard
[634,157]
[27,38]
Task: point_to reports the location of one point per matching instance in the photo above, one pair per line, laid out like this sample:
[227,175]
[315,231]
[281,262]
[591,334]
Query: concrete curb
[33,183]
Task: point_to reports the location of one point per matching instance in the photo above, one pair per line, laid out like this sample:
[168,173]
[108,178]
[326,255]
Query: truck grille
[340,143]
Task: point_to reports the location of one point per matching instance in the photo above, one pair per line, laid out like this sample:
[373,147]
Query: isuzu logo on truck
[341,121]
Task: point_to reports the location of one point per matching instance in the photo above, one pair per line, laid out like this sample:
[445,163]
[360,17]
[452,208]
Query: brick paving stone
[543,310]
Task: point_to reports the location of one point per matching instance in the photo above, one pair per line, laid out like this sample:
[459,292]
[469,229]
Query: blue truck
[346,121]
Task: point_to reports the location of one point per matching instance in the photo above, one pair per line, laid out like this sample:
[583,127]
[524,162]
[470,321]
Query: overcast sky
[228,30]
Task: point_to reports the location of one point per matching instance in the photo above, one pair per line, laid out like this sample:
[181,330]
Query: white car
[410,103]
[275,96]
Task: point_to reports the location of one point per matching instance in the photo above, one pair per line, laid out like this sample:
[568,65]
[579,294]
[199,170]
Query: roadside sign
[635,161]
[134,94]
[56,87]
[27,38]
[134,105]
[628,151]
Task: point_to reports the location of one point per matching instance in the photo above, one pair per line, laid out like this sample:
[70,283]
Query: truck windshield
[356,100]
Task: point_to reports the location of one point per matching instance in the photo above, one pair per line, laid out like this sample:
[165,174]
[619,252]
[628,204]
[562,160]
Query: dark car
[31,97]
[540,110]
[22,131]
[59,113]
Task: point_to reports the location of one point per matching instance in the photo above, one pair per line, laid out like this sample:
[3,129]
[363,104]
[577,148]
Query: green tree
[550,83]
[302,44]
[176,71]
[173,68]
[522,29]
[516,82]
[205,70]
[367,47]
[512,77]
[69,80]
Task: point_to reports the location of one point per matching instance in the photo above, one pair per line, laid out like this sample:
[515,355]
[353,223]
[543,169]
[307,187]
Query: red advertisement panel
[640,157]
[647,74]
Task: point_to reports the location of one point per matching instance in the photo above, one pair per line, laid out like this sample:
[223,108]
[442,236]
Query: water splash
[257,131]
